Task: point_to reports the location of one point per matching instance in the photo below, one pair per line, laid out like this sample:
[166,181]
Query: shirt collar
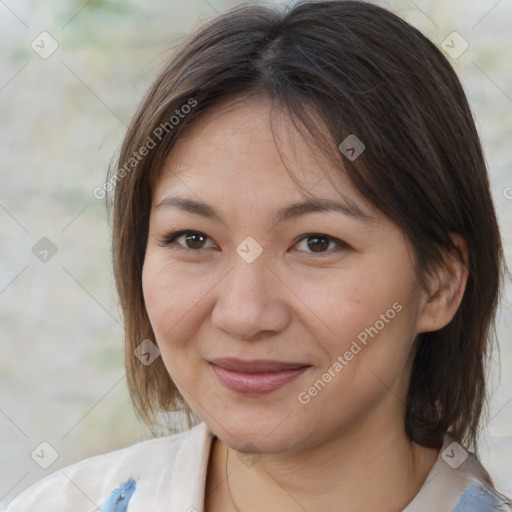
[188,477]
[454,470]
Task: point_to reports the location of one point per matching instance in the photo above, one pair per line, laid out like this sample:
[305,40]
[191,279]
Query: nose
[250,302]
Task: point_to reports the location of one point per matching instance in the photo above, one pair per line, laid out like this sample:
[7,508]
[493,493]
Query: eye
[192,240]
[319,243]
[315,243]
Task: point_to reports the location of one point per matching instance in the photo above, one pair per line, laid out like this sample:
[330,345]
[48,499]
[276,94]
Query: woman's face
[252,278]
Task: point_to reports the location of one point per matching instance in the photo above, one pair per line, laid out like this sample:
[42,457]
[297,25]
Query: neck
[366,469]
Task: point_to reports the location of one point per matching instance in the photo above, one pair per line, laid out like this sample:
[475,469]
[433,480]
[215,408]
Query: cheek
[172,297]
[350,300]
[369,316]
[169,298]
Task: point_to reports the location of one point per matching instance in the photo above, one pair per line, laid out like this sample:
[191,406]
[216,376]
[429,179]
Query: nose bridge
[249,273]
[248,299]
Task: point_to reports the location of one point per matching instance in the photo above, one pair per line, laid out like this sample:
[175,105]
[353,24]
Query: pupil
[192,238]
[317,247]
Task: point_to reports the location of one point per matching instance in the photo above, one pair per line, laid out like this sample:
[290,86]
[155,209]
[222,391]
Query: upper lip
[255,365]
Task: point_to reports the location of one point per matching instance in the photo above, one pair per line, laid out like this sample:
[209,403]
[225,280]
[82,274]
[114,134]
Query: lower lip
[256,383]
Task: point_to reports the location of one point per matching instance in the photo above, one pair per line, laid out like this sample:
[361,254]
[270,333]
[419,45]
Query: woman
[309,265]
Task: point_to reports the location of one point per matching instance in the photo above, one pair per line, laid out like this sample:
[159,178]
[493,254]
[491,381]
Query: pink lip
[256,377]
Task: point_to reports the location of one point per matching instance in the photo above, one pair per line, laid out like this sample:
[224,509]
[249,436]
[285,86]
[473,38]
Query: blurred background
[71,76]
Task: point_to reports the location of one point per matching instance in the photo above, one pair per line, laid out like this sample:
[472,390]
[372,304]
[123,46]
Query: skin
[348,444]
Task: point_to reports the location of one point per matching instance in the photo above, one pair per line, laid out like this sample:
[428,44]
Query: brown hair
[361,70]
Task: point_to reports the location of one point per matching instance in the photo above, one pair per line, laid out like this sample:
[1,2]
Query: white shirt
[168,474]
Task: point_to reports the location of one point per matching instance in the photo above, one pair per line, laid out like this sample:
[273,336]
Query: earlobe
[446,288]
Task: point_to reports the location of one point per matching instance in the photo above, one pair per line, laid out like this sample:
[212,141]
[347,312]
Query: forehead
[250,144]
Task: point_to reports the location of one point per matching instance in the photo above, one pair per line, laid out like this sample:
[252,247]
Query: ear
[446,289]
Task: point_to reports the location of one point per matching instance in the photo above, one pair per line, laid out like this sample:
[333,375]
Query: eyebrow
[287,213]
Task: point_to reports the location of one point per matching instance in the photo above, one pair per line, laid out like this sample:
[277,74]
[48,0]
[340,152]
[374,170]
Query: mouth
[256,377]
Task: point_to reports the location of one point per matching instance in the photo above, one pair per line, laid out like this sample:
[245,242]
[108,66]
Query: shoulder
[107,481]
[458,482]
[480,498]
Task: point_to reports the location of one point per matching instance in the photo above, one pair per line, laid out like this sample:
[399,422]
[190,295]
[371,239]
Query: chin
[252,434]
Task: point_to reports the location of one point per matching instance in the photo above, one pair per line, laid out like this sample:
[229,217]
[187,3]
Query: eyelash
[169,241]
